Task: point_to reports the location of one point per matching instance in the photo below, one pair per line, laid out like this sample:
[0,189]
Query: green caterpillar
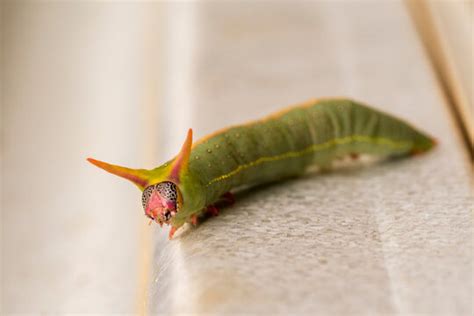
[282,145]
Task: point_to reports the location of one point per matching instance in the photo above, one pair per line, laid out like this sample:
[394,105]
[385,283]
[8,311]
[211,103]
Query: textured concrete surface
[391,239]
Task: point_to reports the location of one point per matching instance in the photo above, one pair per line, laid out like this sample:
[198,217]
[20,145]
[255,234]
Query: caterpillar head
[161,201]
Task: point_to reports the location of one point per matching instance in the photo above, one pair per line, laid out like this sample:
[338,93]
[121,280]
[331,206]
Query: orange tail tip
[137,176]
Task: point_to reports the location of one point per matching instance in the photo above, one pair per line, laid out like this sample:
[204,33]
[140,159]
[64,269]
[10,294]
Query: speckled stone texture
[393,238]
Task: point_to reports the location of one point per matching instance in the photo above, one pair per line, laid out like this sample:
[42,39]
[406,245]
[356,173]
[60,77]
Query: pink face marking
[160,202]
[155,205]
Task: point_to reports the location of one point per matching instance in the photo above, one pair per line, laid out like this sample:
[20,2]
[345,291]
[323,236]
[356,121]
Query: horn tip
[93,161]
[98,163]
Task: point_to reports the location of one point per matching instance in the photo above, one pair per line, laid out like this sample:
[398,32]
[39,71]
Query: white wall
[79,80]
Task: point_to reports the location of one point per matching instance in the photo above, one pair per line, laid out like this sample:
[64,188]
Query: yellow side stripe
[315,148]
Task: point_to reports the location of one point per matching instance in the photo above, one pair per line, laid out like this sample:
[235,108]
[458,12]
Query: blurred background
[123,81]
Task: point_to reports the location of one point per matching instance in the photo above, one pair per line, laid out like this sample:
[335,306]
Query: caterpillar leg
[172,231]
[416,152]
[194,220]
[212,210]
[228,198]
[354,156]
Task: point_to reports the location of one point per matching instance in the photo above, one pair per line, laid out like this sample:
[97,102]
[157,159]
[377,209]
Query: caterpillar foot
[194,220]
[212,210]
[172,231]
[228,198]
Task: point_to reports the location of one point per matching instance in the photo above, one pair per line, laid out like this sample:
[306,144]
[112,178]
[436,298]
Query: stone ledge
[390,239]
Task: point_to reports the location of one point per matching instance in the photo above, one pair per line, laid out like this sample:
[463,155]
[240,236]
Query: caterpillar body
[282,145]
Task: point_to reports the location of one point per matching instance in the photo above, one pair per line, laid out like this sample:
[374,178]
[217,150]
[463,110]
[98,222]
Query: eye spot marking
[209,150]
[196,157]
[146,195]
[216,145]
[209,165]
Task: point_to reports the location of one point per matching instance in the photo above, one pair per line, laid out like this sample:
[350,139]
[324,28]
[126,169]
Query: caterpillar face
[161,201]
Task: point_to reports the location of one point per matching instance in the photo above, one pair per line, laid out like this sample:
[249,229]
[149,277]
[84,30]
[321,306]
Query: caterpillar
[281,145]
